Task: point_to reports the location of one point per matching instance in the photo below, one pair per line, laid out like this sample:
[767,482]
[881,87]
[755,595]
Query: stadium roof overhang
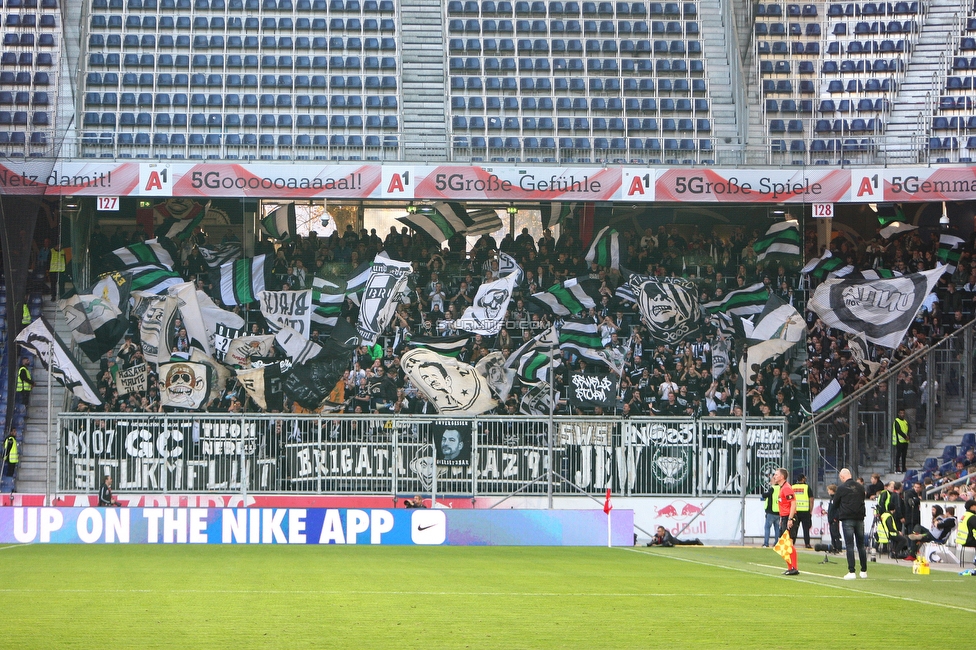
[507,183]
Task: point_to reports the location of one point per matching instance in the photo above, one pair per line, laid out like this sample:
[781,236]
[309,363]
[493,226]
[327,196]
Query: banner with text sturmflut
[199,453]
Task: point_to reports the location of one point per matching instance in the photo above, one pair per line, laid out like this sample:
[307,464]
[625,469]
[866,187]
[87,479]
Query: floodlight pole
[744,448]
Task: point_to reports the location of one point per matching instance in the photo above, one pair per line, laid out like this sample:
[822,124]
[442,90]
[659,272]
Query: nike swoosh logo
[420,528]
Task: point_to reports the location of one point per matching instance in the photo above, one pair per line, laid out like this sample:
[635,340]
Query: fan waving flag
[742,302]
[217,256]
[327,300]
[605,249]
[828,398]
[821,267]
[149,253]
[280,222]
[782,239]
[96,324]
[555,213]
[430,222]
[669,307]
[42,341]
[450,385]
[449,346]
[487,313]
[950,250]
[882,308]
[241,282]
[570,297]
[384,289]
[182,226]
[532,359]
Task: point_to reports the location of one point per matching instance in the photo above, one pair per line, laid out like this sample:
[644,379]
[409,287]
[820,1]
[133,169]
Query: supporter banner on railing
[633,184]
[381,455]
[314,526]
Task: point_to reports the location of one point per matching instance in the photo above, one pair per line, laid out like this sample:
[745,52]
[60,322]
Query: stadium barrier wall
[421,527]
[383,455]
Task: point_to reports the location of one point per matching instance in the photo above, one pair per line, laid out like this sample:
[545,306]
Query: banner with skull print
[487,314]
[184,385]
[669,307]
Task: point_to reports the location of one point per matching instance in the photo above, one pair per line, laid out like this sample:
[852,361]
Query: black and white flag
[155,325]
[133,379]
[242,350]
[452,441]
[41,340]
[183,385]
[288,309]
[450,385]
[384,289]
[499,377]
[217,256]
[223,335]
[486,315]
[193,319]
[588,391]
[882,309]
[263,384]
[96,324]
[310,382]
[669,308]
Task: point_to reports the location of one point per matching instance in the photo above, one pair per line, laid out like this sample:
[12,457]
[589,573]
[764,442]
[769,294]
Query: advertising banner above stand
[633,184]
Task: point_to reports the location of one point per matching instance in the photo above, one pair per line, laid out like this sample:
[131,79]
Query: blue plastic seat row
[861,66]
[784,29]
[784,48]
[858,125]
[789,106]
[863,105]
[872,9]
[941,123]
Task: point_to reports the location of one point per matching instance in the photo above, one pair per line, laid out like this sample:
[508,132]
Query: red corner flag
[607,507]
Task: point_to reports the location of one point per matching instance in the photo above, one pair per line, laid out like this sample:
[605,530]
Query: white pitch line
[809,582]
[7,548]
[401,593]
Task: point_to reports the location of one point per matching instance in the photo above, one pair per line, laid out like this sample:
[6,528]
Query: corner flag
[607,507]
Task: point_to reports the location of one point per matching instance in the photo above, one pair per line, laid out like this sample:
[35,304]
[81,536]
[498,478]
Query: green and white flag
[327,300]
[583,337]
[605,249]
[182,227]
[242,281]
[826,264]
[881,309]
[449,346]
[555,213]
[570,297]
[532,359]
[950,250]
[431,222]
[894,224]
[149,253]
[828,398]
[742,302]
[280,222]
[483,222]
[782,239]
[153,279]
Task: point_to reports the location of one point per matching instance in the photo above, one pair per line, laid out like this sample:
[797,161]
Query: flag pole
[552,405]
[47,444]
[743,447]
[609,514]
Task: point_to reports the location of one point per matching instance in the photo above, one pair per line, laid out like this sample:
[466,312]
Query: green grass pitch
[375,597]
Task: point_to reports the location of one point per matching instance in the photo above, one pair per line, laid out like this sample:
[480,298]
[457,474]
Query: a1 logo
[867,186]
[155,180]
[397,182]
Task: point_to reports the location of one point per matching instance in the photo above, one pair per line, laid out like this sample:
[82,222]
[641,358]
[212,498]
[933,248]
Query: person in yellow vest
[25,317]
[804,518]
[11,454]
[57,266]
[25,383]
[966,532]
[771,497]
[899,439]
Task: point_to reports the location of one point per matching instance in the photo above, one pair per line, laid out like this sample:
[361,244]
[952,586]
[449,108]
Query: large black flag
[311,382]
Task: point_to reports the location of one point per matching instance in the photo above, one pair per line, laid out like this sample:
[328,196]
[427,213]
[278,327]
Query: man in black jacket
[849,508]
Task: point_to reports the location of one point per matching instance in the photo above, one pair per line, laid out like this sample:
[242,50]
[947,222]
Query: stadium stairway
[720,69]
[919,91]
[31,475]
[423,81]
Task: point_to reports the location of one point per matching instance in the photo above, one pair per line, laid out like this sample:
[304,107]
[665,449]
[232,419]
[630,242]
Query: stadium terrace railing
[948,362]
[384,455]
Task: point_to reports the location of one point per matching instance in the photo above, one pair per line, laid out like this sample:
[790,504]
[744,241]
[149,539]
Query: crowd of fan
[657,379]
